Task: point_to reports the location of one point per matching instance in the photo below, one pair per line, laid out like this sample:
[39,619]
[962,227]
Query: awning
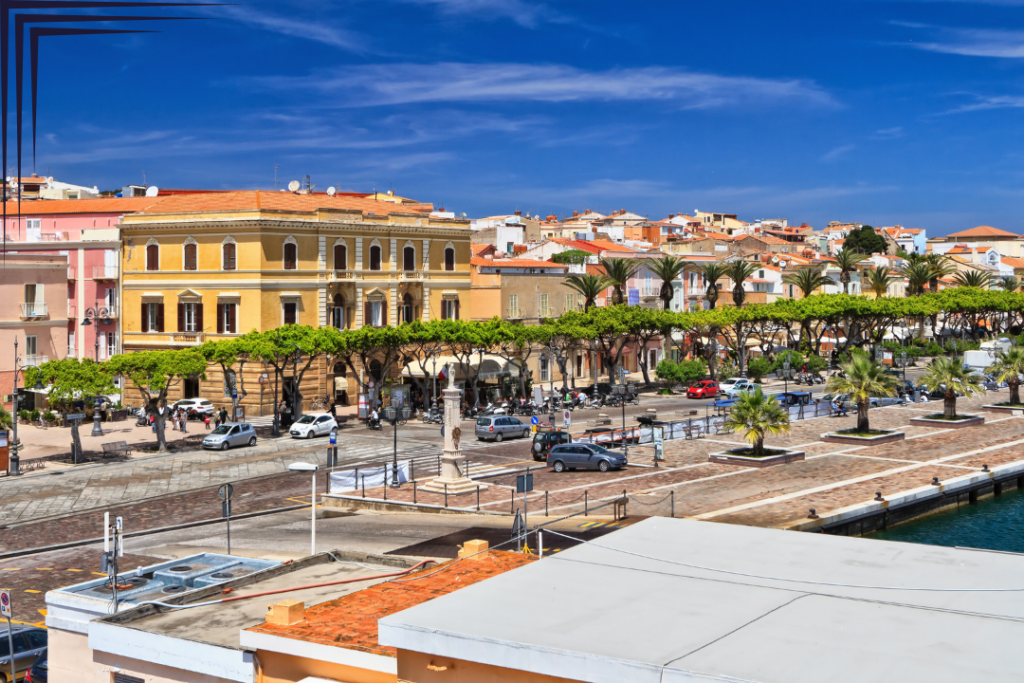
[490,366]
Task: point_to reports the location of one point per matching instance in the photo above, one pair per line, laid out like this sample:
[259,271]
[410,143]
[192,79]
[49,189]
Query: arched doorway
[341,384]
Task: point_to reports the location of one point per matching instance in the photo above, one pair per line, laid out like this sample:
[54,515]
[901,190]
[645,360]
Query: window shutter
[220,318]
[456,309]
[145,317]
[340,257]
[159,317]
[232,328]
[152,257]
[289,314]
[444,309]
[181,317]
[383,313]
[199,318]
[367,321]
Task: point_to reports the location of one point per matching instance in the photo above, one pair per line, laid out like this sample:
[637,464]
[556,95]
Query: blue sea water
[994,523]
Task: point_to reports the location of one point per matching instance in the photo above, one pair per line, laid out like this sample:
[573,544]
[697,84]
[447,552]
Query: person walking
[223,415]
[184,420]
[206,421]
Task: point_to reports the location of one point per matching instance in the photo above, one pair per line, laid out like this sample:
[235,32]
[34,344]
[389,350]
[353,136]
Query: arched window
[291,254]
[152,257]
[340,257]
[338,320]
[191,257]
[228,255]
[407,308]
[375,257]
[409,258]
[449,258]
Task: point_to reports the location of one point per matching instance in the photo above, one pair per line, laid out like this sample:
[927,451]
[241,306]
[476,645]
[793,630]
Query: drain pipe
[288,590]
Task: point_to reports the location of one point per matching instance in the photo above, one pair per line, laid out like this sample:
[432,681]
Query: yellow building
[213,266]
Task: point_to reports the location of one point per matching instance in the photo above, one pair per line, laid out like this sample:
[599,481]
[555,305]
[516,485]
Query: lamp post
[785,374]
[101,315]
[903,359]
[309,467]
[394,414]
[433,403]
[14,469]
[276,428]
[560,359]
[622,390]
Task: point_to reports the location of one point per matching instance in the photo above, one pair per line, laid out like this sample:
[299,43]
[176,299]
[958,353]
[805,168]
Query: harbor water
[994,523]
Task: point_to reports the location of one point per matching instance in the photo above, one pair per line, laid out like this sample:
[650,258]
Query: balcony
[72,352]
[411,275]
[650,292]
[34,310]
[104,272]
[342,275]
[187,338]
[71,272]
[515,314]
[34,360]
[547,312]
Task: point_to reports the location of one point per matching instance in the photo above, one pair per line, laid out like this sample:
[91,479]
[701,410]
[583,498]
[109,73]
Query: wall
[281,668]
[412,668]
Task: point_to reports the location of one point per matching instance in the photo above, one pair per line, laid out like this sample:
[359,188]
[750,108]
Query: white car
[313,424]
[195,406]
[734,387]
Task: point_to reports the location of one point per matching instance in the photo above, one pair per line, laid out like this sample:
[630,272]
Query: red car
[704,389]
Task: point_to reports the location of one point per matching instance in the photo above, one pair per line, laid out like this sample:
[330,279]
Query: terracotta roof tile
[251,200]
[112,205]
[351,621]
[981,231]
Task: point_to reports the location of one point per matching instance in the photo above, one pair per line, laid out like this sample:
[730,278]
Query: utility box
[5,458]
[286,612]
[473,547]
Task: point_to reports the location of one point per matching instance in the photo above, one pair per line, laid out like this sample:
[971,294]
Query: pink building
[85,233]
[32,310]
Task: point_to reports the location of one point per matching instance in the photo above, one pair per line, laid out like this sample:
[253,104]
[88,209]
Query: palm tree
[941,267]
[950,374]
[1008,368]
[589,286]
[1008,283]
[879,280]
[846,261]
[757,415]
[864,378]
[738,272]
[973,278]
[712,273]
[667,268]
[618,271]
[807,280]
[918,276]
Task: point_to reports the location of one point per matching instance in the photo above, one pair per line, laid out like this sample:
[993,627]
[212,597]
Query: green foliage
[864,379]
[865,241]
[950,373]
[49,417]
[933,349]
[618,271]
[24,414]
[756,416]
[1008,367]
[683,372]
[572,257]
[807,280]
[758,368]
[795,358]
[6,419]
[34,415]
[588,285]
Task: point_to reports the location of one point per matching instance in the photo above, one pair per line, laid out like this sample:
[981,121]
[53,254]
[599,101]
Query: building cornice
[289,226]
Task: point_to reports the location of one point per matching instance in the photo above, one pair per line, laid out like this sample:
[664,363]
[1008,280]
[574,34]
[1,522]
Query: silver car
[586,456]
[230,434]
[500,427]
[28,644]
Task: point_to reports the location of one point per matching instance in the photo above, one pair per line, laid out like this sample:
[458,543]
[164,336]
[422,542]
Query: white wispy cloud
[528,14]
[970,42]
[837,152]
[392,84]
[888,133]
[319,29]
[984,103]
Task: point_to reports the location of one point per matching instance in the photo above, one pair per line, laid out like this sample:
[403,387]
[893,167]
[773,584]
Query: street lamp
[785,374]
[394,414]
[309,467]
[622,390]
[903,359]
[15,465]
[560,359]
[101,315]
[276,428]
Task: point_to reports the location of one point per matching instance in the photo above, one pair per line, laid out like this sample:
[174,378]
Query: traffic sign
[567,418]
[76,416]
[225,491]
[5,604]
[234,393]
[524,483]
[334,437]
[534,420]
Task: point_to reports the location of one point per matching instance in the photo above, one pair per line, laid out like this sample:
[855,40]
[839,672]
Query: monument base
[455,487]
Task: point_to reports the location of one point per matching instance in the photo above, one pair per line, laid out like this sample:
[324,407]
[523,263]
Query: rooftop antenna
[144,179]
[293,186]
[331,191]
[276,166]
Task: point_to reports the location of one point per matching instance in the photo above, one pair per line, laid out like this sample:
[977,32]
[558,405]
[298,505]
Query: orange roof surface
[1013,262]
[252,200]
[351,621]
[114,205]
[982,231]
[515,263]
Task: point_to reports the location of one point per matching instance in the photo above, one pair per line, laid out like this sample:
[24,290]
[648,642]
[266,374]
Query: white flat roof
[632,611]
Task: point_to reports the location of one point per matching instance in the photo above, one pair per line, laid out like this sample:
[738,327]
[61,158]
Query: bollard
[540,544]
[385,483]
[586,499]
[446,495]
[545,503]
[672,498]
[625,502]
[478,497]
[364,486]
[512,502]
[412,470]
[414,493]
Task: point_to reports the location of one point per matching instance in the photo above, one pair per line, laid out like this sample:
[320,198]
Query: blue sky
[855,110]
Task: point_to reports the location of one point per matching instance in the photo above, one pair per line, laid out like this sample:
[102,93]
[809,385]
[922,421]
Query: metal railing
[34,310]
[104,272]
[412,275]
[515,313]
[35,360]
[72,352]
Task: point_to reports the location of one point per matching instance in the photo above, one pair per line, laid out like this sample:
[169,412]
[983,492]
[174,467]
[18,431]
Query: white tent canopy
[489,366]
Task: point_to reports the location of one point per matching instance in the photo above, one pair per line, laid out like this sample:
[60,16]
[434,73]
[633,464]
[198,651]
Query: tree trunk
[949,404]
[845,279]
[75,436]
[643,369]
[1014,385]
[667,293]
[862,416]
[759,447]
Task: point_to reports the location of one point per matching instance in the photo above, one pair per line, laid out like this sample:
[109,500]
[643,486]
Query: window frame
[156,246]
[194,246]
[226,262]
[380,256]
[448,248]
[290,242]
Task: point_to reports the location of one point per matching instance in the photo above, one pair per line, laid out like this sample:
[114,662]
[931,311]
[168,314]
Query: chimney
[575,213]
[519,213]
[671,216]
[286,612]
[552,219]
[622,212]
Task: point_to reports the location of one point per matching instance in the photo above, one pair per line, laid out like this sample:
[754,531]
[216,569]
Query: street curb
[135,534]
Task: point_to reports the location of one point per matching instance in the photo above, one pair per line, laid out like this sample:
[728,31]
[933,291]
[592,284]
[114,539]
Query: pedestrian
[334,410]
[206,420]
[223,415]
[174,421]
[184,420]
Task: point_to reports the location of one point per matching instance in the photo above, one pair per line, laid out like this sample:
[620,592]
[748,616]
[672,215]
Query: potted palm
[950,376]
[756,416]
[1008,368]
[863,379]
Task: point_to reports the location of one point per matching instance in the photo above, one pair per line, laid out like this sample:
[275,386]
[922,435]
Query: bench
[116,448]
[837,412]
[690,429]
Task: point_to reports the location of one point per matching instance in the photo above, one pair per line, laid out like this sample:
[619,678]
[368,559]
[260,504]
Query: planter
[1004,408]
[961,422]
[786,456]
[853,440]
[119,415]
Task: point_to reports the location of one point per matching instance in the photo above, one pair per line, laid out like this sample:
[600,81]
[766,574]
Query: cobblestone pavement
[832,476]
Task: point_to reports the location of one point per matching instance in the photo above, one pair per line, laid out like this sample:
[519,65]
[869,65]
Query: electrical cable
[785,580]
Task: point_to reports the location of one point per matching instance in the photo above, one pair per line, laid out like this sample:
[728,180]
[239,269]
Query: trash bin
[917,395]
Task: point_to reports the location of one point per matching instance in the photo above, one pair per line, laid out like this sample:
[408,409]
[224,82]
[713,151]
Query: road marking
[29,590]
[45,569]
[12,569]
[98,573]
[72,570]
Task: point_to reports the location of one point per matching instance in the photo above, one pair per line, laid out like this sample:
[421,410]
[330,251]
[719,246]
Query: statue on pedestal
[451,478]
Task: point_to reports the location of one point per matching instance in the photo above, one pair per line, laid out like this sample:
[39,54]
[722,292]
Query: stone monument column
[450,475]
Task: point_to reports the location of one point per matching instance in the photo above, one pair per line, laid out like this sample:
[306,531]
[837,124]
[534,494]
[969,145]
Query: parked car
[29,642]
[313,424]
[230,434]
[500,427]
[736,386]
[543,441]
[585,456]
[873,402]
[703,389]
[195,407]
[39,672]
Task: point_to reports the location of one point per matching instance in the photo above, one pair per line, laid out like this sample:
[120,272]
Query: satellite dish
[331,191]
[152,191]
[293,185]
